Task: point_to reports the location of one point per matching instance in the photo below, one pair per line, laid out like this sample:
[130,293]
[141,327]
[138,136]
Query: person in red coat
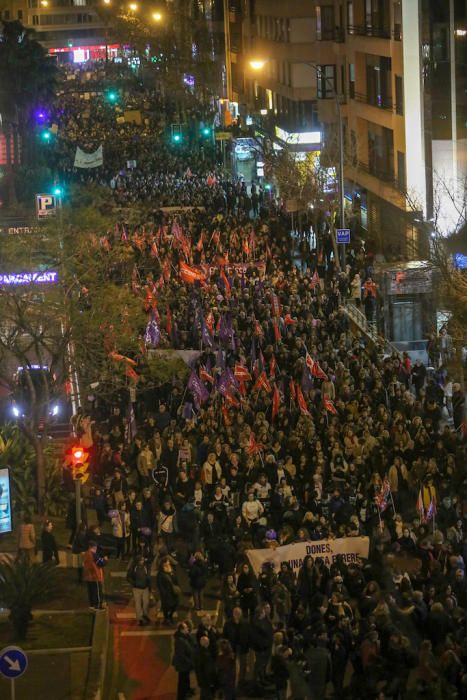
[93,574]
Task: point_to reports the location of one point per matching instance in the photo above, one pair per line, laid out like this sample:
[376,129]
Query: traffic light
[46,135]
[58,191]
[112,96]
[177,133]
[78,460]
[206,132]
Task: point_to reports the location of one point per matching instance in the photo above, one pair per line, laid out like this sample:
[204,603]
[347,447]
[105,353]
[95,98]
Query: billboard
[6,520]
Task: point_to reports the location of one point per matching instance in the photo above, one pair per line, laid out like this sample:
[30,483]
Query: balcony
[379,101]
[370,31]
[335,34]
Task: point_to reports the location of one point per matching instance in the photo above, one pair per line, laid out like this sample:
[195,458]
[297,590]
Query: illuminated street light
[133,6]
[157,17]
[257,64]
[107,2]
[45,3]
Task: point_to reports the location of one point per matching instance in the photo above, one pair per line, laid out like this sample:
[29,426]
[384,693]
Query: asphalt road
[139,660]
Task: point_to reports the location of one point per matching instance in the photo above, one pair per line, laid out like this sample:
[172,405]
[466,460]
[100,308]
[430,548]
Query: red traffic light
[78,453]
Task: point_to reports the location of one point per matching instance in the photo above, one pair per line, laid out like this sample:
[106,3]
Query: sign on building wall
[6,520]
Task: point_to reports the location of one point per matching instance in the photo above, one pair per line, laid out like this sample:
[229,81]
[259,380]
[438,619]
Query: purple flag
[188,410]
[231,377]
[152,335]
[205,334]
[224,382]
[220,362]
[197,388]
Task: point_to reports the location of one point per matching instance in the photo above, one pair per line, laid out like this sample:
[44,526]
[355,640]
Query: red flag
[277,331]
[276,399]
[226,283]
[131,374]
[205,376]
[293,393]
[154,250]
[258,329]
[310,363]
[253,446]
[190,275]
[216,236]
[275,305]
[166,270]
[169,326]
[272,366]
[241,373]
[231,399]
[246,247]
[210,322]
[289,321]
[301,402]
[314,280]
[329,406]
[242,387]
[318,372]
[262,383]
[226,415]
[200,244]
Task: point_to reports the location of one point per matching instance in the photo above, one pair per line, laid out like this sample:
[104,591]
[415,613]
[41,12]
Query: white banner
[89,160]
[352,549]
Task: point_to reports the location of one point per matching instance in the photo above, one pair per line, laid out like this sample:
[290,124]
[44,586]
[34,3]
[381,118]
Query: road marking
[147,633]
[125,615]
[118,574]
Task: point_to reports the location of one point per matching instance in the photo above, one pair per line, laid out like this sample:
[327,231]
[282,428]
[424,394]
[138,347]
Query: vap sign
[47,205]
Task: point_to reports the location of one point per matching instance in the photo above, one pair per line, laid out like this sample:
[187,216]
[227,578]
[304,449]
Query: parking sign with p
[46,205]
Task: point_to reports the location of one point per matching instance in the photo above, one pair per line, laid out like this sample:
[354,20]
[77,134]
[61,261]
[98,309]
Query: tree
[27,78]
[22,586]
[86,310]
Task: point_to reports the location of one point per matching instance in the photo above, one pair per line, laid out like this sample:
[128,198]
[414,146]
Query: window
[325,23]
[378,81]
[397,15]
[352,80]
[6,14]
[399,95]
[381,152]
[353,148]
[401,182]
[20,14]
[35,20]
[326,82]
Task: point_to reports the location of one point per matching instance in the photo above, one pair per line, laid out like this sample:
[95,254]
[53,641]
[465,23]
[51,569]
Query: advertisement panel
[6,520]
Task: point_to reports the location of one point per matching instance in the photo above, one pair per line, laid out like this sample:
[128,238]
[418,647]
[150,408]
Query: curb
[98,659]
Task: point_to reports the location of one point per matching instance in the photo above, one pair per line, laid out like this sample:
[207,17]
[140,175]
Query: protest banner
[352,549]
[235,268]
[89,160]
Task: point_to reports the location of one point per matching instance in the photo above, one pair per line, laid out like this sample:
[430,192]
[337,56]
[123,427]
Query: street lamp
[133,6]
[157,16]
[257,64]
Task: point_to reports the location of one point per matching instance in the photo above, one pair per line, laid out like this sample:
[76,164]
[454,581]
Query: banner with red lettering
[235,268]
[352,549]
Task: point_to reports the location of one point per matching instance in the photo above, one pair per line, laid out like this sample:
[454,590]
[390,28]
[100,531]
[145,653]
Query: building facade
[398,67]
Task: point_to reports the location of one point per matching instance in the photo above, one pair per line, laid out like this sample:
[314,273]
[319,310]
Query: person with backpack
[139,578]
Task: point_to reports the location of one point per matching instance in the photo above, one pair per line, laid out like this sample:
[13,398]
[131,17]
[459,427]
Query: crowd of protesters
[287,428]
[292,429]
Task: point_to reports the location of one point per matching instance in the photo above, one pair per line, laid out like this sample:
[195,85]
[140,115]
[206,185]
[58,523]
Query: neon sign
[17,278]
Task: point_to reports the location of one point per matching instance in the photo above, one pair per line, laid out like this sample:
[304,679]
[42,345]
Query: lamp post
[258,64]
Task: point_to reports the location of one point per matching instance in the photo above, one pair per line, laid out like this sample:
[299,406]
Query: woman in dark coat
[49,545]
[226,669]
[183,659]
[168,590]
[246,585]
[198,575]
[306,581]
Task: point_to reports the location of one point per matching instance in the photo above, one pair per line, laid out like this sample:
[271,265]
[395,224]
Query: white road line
[125,615]
[148,633]
[118,574]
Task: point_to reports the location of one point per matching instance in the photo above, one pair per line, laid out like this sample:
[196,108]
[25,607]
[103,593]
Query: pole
[12,686]
[228,64]
[78,501]
[340,126]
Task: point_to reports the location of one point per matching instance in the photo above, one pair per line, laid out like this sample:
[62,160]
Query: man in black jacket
[237,632]
[183,659]
[139,577]
[205,669]
[261,637]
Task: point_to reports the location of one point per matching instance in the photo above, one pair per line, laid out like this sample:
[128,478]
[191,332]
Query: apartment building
[73,27]
[398,67]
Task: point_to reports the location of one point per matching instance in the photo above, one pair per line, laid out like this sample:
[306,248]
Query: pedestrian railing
[367,328]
